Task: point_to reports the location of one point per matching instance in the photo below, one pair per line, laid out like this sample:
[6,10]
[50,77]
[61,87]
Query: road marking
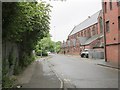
[62,83]
[67,80]
[58,78]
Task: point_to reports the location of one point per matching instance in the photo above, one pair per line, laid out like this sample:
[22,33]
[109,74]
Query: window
[118,3]
[89,32]
[81,33]
[93,30]
[105,7]
[74,36]
[119,23]
[78,35]
[101,25]
[107,26]
[110,4]
[85,33]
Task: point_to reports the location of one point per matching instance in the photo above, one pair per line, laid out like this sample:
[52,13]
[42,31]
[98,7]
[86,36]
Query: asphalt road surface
[79,73]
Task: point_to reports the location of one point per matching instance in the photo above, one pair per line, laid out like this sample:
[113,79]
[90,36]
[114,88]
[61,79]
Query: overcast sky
[68,13]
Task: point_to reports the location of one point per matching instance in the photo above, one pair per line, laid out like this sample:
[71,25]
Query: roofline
[85,28]
[72,30]
[84,21]
[92,41]
[90,16]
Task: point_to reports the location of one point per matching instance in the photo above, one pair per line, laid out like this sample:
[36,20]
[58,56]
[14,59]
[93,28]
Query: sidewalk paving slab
[109,64]
[100,62]
[39,75]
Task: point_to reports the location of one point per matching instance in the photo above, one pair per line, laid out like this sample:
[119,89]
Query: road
[80,73]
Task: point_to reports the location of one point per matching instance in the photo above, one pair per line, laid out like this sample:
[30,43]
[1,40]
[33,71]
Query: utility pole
[105,53]
[41,52]
[54,40]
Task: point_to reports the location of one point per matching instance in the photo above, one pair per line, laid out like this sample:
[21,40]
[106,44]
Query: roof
[93,38]
[88,22]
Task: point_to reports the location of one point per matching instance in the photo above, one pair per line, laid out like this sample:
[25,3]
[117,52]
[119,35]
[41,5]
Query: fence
[96,54]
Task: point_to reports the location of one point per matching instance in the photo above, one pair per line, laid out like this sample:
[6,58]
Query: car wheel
[82,55]
[87,56]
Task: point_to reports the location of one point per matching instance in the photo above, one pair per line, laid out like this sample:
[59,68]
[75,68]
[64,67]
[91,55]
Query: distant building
[86,35]
[111,14]
[100,32]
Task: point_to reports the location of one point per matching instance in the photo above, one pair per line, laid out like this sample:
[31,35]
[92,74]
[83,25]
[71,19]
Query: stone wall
[10,56]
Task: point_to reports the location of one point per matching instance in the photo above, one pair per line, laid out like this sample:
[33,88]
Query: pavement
[39,75]
[109,64]
[100,62]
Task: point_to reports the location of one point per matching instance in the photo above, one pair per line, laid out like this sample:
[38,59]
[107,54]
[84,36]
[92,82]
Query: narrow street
[82,73]
[60,44]
[74,72]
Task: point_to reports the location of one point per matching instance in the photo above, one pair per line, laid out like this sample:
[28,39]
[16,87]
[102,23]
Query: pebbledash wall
[86,35]
[111,16]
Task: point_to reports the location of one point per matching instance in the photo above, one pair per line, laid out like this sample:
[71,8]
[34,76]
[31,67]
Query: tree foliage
[58,46]
[25,23]
[46,44]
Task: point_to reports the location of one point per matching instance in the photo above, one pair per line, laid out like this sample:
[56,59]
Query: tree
[58,46]
[25,23]
[45,45]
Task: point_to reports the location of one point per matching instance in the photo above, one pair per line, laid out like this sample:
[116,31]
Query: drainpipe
[105,53]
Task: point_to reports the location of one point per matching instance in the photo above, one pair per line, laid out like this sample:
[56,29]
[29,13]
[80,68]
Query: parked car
[49,52]
[85,53]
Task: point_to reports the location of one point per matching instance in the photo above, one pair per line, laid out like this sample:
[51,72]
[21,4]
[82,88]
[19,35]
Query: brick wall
[113,35]
[112,53]
[112,17]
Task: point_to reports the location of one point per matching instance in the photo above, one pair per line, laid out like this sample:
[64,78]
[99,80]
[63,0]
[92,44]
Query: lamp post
[49,43]
[54,40]
[41,52]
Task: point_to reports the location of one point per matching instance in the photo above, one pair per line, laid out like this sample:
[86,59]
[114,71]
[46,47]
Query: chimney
[88,16]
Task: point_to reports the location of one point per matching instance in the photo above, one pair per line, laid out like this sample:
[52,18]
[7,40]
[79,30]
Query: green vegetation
[8,82]
[47,45]
[44,45]
[58,46]
[24,23]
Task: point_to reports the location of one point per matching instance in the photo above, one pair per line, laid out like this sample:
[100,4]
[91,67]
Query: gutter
[61,81]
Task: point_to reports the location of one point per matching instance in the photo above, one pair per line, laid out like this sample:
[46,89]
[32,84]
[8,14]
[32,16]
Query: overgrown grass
[8,82]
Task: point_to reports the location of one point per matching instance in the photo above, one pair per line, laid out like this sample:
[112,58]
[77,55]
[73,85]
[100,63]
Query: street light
[41,52]
[54,40]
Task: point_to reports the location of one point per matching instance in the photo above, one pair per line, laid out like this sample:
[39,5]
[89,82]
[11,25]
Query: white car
[85,53]
[49,52]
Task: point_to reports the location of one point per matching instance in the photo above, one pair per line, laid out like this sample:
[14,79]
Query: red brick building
[111,14]
[89,34]
[86,35]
